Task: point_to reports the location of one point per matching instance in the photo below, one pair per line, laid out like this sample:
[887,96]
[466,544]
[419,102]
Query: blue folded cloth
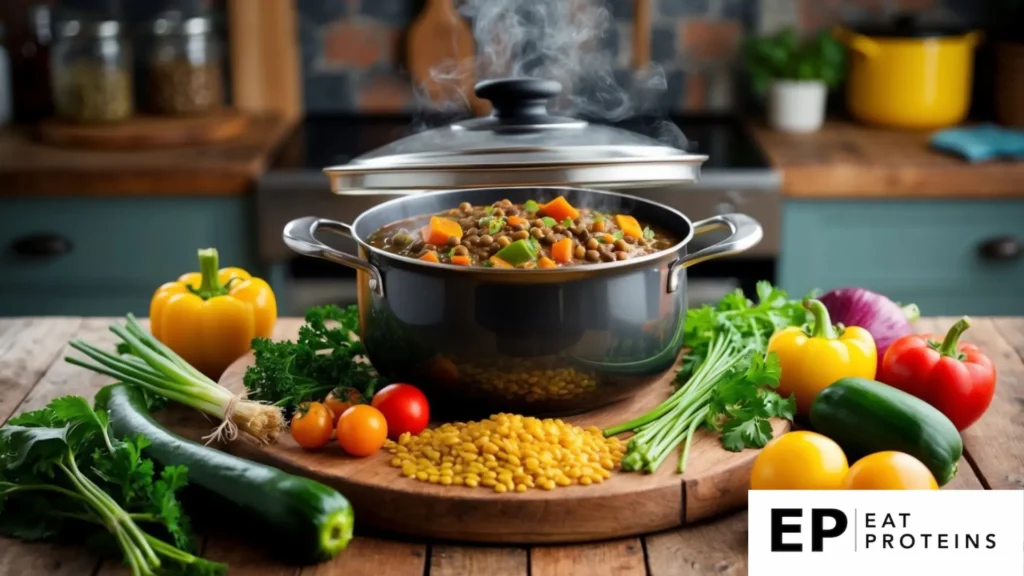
[980,143]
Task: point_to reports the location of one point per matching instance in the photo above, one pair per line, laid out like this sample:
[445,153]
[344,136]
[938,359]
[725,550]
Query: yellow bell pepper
[210,317]
[812,361]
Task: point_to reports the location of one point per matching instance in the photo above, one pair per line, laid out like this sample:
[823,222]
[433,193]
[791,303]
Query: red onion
[886,320]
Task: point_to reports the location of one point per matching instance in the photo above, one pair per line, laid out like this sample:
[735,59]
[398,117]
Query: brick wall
[353,52]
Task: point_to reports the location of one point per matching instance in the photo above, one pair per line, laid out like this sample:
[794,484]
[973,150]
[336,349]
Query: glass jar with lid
[91,71]
[185,70]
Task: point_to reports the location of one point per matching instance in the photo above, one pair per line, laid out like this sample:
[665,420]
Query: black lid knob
[520,100]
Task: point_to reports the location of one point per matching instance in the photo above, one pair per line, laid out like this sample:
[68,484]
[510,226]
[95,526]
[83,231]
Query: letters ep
[819,533]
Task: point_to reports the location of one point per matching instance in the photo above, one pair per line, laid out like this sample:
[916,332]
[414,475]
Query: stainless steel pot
[479,340]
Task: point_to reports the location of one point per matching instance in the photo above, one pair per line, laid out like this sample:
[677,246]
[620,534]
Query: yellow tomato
[799,461]
[889,471]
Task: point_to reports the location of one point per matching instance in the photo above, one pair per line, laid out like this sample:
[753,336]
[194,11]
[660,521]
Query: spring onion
[154,367]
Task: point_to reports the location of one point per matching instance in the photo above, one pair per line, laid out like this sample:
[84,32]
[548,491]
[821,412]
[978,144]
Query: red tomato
[404,407]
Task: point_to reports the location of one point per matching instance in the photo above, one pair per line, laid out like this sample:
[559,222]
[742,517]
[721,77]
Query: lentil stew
[525,236]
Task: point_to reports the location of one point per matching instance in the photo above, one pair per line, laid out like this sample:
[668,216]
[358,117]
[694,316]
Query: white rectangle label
[882,532]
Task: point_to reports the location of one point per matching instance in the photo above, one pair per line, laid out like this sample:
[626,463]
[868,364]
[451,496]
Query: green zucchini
[865,416]
[296,519]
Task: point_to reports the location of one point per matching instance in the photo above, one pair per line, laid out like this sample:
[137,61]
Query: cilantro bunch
[726,383]
[328,355]
[63,474]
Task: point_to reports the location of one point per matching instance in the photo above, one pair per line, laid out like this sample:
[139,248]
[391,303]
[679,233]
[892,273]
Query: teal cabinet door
[106,256]
[922,251]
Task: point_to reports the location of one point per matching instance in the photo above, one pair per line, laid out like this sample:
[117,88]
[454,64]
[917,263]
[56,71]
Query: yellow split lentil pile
[532,385]
[507,453]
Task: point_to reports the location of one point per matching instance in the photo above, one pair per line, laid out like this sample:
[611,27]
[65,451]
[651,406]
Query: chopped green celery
[517,253]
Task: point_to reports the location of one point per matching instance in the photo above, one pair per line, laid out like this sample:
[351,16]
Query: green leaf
[76,409]
[22,445]
[531,207]
[567,223]
[648,233]
[618,235]
[42,417]
[779,407]
[737,435]
[165,501]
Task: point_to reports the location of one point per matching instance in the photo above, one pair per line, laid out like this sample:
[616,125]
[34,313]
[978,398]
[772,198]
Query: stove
[736,178]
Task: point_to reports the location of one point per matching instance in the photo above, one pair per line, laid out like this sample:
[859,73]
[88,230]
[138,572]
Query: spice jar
[185,71]
[91,72]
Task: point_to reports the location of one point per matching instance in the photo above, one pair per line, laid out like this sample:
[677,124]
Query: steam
[563,40]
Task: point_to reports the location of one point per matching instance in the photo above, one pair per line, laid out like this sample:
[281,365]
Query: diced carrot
[629,226]
[515,220]
[597,226]
[460,260]
[559,209]
[608,238]
[499,263]
[440,229]
[430,257]
[561,251]
[546,262]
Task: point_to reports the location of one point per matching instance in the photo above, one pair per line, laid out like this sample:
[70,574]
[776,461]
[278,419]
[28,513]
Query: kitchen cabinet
[930,252]
[106,255]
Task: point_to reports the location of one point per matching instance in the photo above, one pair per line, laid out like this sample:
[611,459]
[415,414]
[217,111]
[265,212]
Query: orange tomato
[362,430]
[799,461]
[889,471]
[312,426]
[337,406]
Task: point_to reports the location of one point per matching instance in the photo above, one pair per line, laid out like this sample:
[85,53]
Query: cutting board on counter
[146,131]
[628,503]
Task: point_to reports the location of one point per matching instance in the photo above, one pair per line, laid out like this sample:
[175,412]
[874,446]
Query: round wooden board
[627,504]
[145,131]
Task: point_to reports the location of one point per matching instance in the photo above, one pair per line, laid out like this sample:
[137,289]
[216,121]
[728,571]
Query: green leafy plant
[786,56]
[64,475]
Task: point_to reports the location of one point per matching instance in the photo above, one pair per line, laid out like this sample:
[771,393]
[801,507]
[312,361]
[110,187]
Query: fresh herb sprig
[62,473]
[727,382]
[327,355]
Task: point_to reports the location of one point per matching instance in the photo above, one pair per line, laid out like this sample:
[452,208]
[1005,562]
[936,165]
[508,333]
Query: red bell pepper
[957,379]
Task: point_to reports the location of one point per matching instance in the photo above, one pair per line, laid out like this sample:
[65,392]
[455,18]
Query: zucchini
[864,416]
[296,519]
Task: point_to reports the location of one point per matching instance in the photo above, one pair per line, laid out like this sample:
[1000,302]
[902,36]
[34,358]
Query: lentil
[487,229]
[556,454]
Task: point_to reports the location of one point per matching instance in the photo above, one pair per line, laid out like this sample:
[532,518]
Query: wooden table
[32,373]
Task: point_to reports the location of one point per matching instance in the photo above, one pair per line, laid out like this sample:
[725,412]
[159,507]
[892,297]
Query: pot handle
[300,236]
[856,42]
[745,234]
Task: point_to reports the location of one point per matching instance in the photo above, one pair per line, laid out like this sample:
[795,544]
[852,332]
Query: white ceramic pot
[796,105]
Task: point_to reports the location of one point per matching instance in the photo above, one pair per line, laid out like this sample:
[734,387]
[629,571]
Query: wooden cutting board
[628,503]
[441,54]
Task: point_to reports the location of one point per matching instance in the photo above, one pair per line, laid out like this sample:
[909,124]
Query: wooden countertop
[847,160]
[31,168]
[32,374]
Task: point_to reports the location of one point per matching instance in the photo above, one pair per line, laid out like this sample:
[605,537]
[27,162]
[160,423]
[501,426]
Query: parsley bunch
[327,355]
[63,474]
[726,382]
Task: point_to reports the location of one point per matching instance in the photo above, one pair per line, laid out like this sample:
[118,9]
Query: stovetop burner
[320,141]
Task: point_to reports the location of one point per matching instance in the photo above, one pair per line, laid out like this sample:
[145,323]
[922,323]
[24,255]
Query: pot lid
[910,26]
[519,144]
